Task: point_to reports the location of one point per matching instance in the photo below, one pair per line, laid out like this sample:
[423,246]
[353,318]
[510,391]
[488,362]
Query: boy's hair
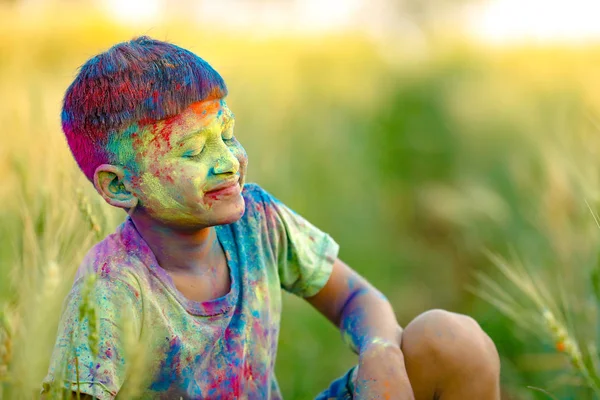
[136,82]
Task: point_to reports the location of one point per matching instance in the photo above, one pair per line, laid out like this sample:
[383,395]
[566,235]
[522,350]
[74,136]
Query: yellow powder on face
[157,194]
[173,181]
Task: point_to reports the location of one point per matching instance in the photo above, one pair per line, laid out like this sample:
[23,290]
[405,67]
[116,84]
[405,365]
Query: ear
[113,185]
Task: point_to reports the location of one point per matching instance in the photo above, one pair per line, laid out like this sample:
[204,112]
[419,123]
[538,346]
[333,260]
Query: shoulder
[253,192]
[114,259]
[260,204]
[255,199]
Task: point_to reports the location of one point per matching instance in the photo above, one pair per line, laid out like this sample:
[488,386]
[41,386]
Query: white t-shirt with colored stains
[222,348]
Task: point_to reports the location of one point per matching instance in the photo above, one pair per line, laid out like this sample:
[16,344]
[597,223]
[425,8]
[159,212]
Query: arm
[307,264]
[361,312]
[368,324]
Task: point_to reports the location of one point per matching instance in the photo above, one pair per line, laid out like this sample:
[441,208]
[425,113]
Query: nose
[226,163]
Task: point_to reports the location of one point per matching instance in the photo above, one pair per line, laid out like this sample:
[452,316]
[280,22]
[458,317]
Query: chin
[229,213]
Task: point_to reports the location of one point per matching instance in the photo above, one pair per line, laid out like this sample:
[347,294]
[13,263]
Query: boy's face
[189,169]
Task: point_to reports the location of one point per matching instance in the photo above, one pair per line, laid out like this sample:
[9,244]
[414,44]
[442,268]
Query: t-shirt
[219,349]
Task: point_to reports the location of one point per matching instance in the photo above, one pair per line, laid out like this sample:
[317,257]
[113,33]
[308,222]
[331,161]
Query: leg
[449,357]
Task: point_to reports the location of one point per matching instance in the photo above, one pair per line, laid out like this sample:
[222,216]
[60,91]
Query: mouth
[224,189]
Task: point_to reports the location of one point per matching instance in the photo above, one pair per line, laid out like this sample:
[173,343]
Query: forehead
[199,115]
[194,118]
[163,135]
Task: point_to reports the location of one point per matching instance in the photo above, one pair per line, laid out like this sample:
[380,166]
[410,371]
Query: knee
[452,341]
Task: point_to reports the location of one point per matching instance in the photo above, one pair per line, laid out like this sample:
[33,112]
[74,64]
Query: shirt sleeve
[304,254]
[90,345]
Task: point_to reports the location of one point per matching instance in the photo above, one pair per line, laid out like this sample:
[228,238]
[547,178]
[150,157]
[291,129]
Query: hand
[382,374]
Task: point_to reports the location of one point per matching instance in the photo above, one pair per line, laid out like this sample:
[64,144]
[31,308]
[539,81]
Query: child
[196,269]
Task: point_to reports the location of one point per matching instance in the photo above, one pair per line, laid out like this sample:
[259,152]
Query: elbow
[348,305]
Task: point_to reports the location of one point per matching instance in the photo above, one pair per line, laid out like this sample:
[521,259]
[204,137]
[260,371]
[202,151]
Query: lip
[224,189]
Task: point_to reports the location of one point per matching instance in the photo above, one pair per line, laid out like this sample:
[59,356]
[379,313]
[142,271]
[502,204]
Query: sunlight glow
[134,12]
[536,20]
[494,21]
[291,16]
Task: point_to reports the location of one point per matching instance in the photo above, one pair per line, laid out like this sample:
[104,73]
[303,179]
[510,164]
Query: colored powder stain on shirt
[222,348]
[105,269]
[169,368]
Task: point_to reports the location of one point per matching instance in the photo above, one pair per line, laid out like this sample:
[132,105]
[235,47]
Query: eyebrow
[191,135]
[227,119]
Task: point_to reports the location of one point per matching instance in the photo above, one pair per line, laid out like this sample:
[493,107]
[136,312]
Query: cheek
[156,195]
[165,175]
[160,175]
[240,153]
[181,180]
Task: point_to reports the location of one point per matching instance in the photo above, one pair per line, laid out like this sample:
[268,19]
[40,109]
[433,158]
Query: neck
[178,250]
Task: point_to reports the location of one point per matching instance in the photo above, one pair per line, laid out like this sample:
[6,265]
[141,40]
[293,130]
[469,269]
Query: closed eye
[192,145]
[192,153]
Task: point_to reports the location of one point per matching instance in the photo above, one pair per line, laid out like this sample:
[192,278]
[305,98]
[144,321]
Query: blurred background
[423,135]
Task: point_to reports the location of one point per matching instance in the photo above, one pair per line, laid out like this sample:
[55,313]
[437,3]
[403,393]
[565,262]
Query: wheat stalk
[87,310]
[7,331]
[136,356]
[86,211]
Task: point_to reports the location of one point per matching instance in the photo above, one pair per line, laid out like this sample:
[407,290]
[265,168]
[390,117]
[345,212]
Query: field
[422,165]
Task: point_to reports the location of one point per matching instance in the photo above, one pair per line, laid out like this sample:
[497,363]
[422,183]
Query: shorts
[340,389]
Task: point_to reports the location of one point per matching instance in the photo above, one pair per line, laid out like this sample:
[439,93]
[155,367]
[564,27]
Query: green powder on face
[120,146]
